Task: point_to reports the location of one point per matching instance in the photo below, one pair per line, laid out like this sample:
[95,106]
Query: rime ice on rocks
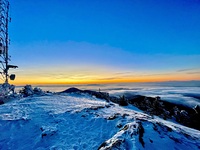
[28,91]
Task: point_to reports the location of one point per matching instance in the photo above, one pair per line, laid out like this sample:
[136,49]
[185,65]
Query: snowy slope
[81,121]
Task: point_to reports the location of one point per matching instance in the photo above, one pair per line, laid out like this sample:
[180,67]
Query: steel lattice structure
[4,41]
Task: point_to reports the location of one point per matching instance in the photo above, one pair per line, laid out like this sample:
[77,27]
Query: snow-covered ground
[84,122]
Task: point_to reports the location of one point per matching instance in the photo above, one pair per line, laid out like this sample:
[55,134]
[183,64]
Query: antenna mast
[4,41]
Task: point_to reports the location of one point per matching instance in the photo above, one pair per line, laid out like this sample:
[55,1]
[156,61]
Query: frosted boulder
[27,91]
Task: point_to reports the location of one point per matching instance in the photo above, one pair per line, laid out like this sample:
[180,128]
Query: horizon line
[98,83]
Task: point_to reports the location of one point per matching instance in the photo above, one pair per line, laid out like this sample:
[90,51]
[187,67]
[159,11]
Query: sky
[104,41]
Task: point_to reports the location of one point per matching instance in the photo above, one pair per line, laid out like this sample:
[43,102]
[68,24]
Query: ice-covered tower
[4,42]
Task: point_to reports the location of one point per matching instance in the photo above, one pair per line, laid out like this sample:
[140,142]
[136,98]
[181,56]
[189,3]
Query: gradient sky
[101,41]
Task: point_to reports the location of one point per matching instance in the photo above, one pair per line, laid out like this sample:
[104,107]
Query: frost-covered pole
[4,12]
[7,41]
[4,41]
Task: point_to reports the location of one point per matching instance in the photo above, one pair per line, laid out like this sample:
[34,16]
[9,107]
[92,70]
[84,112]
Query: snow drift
[79,121]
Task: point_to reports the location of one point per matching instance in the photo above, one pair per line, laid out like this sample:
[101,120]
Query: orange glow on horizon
[101,75]
[46,81]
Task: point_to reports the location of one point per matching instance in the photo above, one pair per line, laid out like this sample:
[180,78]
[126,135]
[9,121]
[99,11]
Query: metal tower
[4,42]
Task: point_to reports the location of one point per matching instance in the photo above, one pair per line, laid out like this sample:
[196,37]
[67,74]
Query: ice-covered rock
[6,89]
[28,91]
[6,92]
[38,91]
[125,138]
[48,131]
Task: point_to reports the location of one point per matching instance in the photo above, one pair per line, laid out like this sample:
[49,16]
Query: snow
[84,122]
